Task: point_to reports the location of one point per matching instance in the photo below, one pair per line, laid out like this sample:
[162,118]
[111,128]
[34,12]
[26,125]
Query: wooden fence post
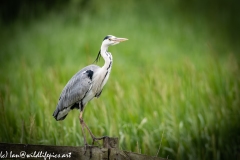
[110,151]
[109,142]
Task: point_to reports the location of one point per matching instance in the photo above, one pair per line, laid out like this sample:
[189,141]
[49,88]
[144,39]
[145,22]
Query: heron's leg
[93,137]
[83,125]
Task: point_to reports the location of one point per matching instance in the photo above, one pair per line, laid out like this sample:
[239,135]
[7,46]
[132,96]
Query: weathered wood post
[110,142]
[110,151]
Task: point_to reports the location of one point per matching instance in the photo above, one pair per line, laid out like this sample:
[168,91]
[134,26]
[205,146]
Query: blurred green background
[174,85]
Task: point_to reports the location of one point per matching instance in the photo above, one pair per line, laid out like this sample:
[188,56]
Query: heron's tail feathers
[60,115]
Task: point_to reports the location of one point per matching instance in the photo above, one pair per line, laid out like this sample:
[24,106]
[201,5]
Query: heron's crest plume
[98,57]
[99,53]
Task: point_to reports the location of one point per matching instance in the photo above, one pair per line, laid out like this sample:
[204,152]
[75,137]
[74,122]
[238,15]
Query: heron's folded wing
[76,88]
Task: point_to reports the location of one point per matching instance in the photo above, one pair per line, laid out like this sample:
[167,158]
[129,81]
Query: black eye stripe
[107,37]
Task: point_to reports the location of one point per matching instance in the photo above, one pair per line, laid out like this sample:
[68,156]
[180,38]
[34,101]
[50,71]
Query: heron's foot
[96,139]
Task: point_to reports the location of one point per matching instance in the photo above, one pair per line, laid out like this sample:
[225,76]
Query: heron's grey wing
[74,91]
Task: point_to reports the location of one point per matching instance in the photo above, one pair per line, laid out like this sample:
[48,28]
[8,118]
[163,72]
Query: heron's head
[112,40]
[109,41]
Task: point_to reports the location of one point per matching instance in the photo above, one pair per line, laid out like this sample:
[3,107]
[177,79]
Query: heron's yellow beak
[120,39]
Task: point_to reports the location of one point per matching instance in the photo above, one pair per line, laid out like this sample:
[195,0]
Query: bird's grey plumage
[87,84]
[75,91]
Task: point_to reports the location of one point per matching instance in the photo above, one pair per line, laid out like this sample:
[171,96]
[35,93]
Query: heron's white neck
[107,58]
[102,75]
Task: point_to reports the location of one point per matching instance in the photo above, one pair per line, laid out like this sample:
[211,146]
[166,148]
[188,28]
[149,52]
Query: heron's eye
[109,39]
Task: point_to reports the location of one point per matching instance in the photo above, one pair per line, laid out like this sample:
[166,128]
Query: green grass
[172,78]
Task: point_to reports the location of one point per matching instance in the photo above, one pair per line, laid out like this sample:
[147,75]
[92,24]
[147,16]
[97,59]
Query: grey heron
[85,85]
